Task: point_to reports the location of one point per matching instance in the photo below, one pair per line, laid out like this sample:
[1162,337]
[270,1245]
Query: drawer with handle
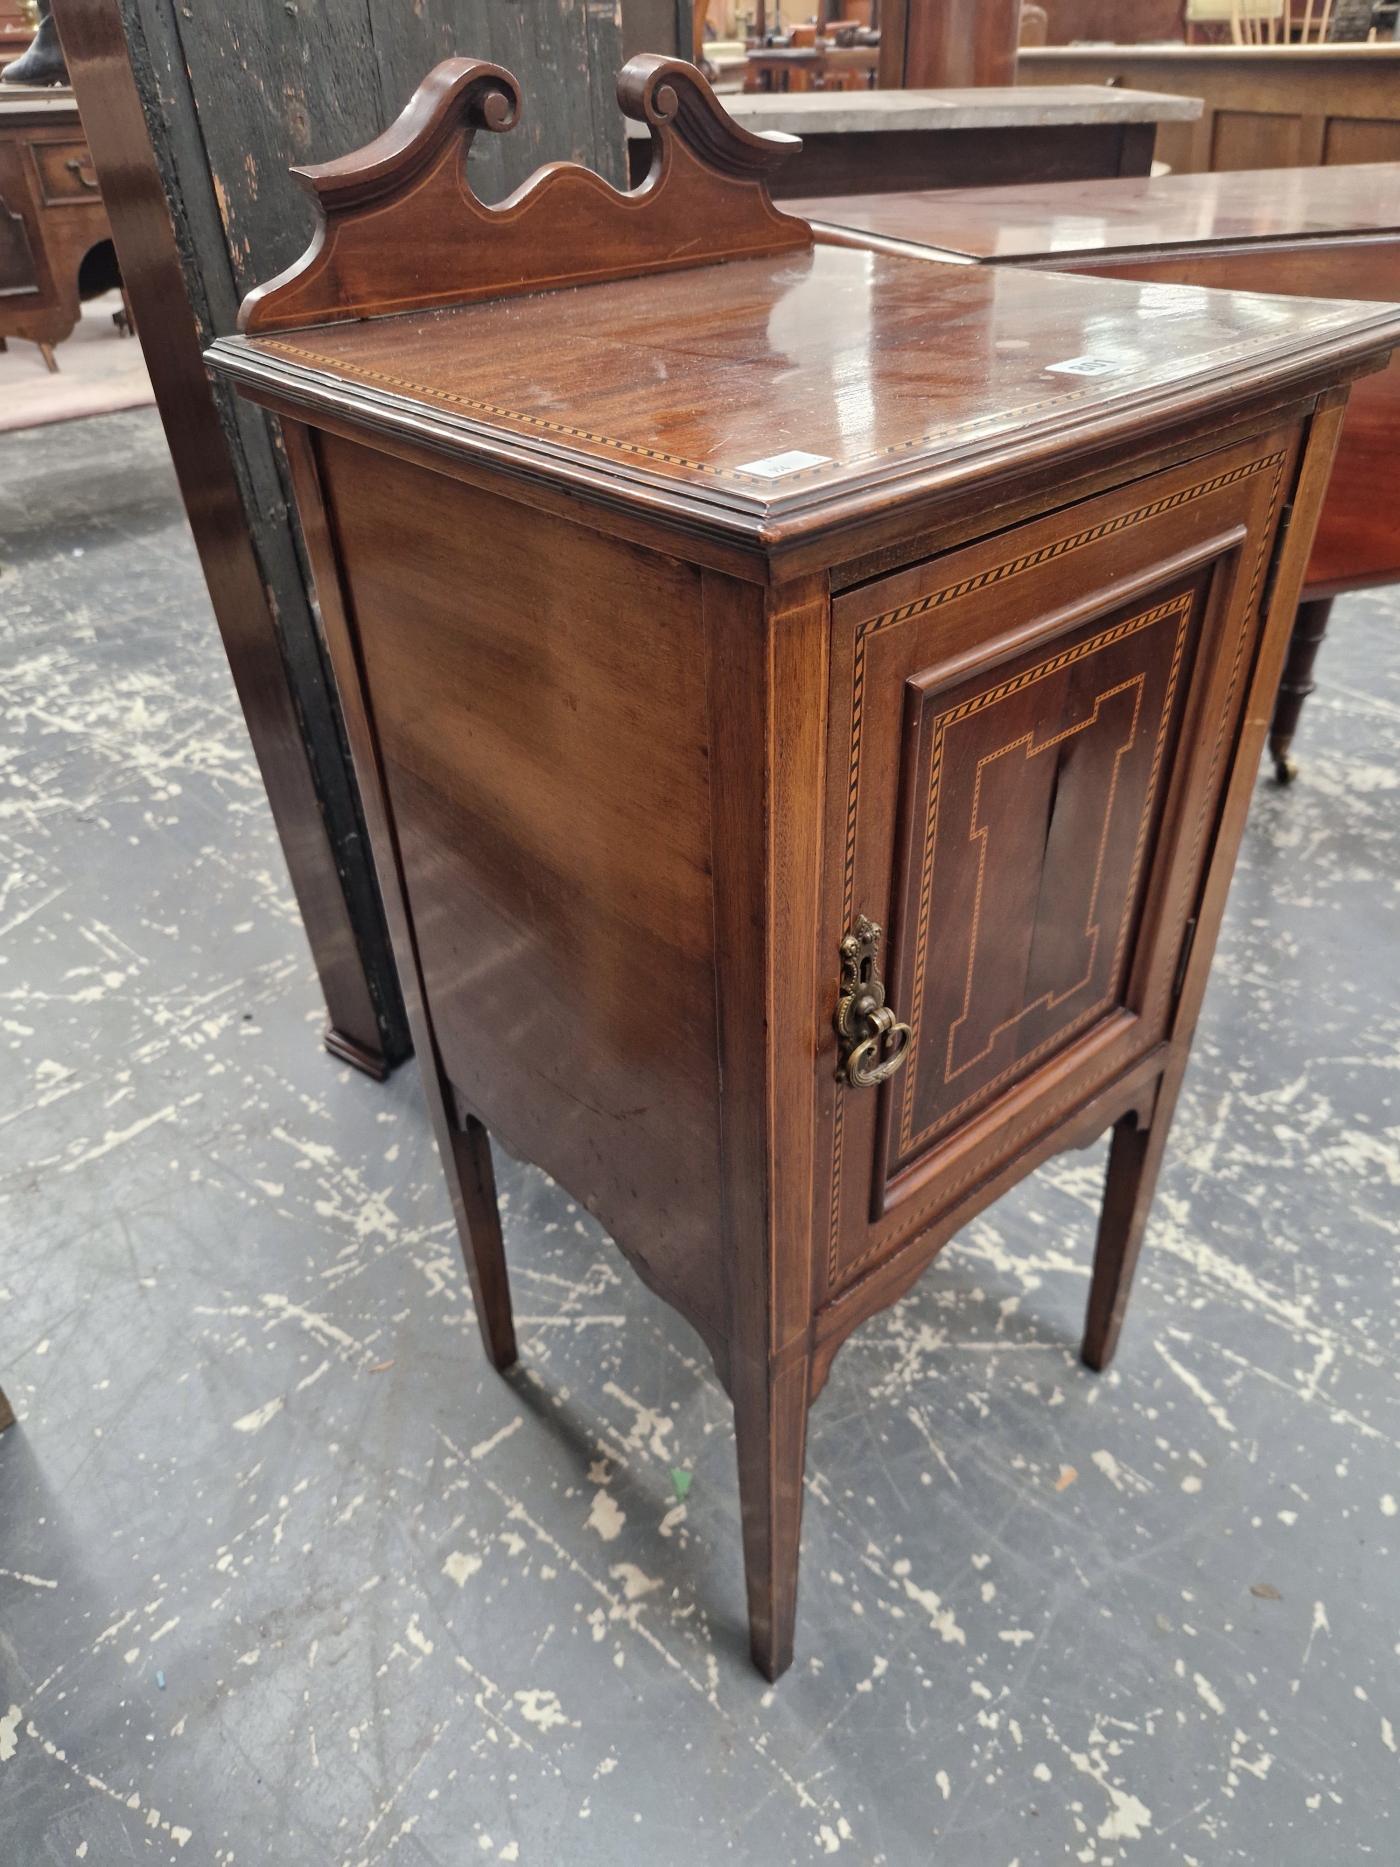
[66,173]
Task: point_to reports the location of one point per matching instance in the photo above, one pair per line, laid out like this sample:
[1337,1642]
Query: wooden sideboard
[1320,233]
[51,215]
[854,141]
[1266,106]
[806,704]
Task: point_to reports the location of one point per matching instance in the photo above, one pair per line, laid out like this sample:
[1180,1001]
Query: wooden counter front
[806,703]
[1266,106]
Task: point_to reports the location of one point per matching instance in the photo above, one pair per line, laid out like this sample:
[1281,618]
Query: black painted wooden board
[236,94]
[276,85]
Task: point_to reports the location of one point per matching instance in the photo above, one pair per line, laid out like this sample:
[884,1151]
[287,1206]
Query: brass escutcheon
[873,1043]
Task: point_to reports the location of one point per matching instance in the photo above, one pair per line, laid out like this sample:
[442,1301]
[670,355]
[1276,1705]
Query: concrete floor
[288,1575]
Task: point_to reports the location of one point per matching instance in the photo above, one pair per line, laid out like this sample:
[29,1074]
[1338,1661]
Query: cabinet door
[1030,738]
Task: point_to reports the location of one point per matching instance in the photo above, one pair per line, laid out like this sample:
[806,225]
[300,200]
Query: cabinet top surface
[1126,213]
[34,103]
[771,394]
[991,106]
[1175,52]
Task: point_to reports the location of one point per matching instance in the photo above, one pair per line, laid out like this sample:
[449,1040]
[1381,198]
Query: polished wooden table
[854,141]
[1322,233]
[51,217]
[806,704]
[1266,106]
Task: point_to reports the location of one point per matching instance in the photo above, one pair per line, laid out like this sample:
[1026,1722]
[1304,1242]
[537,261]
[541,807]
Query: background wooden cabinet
[51,218]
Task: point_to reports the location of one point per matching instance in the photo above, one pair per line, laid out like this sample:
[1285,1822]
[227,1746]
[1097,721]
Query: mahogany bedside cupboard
[1316,232]
[704,602]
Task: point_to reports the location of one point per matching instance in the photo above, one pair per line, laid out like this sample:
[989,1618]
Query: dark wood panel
[1360,139]
[18,276]
[898,159]
[1256,139]
[545,759]
[1037,797]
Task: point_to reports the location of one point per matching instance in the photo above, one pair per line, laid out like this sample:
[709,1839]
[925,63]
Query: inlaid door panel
[1028,737]
[1038,787]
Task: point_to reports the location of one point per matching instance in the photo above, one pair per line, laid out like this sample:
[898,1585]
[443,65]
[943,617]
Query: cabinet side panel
[538,696]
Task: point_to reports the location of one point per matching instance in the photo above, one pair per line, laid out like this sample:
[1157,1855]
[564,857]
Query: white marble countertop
[817,113]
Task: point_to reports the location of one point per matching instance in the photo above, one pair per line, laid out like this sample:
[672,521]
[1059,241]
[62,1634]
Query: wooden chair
[1251,22]
[1308,21]
[1263,22]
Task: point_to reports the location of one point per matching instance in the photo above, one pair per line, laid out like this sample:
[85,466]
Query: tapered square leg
[770,1428]
[474,1176]
[1309,628]
[1133,1163]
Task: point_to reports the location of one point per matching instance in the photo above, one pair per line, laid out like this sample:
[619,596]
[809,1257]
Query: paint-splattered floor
[287,1575]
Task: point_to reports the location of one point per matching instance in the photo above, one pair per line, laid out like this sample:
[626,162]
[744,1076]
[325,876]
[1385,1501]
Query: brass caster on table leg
[1285,771]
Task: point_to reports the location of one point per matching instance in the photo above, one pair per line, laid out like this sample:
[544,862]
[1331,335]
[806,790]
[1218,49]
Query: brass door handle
[874,1044]
[75,166]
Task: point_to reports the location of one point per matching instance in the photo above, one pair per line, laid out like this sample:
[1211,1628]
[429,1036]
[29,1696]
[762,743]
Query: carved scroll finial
[672,95]
[455,100]
[399,229]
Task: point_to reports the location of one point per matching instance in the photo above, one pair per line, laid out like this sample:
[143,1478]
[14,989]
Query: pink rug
[99,371]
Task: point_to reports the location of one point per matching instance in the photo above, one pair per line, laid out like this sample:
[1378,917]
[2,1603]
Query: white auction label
[1084,366]
[778,466]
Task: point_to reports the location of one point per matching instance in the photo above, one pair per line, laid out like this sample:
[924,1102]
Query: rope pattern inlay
[955,431]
